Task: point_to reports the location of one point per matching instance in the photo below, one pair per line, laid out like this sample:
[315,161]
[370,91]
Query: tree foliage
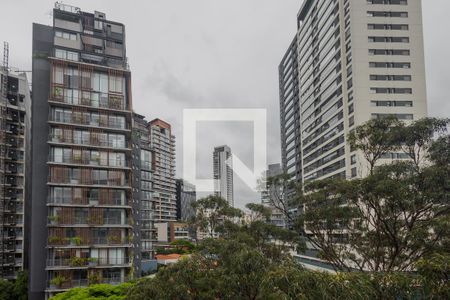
[395,216]
[97,291]
[243,263]
[211,214]
[16,289]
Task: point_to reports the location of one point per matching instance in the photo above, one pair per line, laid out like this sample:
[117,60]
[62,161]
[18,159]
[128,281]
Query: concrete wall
[37,194]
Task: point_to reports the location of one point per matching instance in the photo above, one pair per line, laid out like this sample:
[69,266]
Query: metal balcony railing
[101,162]
[90,141]
[88,121]
[75,262]
[109,101]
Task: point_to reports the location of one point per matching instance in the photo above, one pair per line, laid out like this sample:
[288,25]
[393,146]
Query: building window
[64,54]
[398,116]
[350,83]
[353,159]
[66,35]
[58,75]
[354,172]
[388,39]
[388,14]
[350,96]
[388,26]
[116,84]
[392,103]
[389,2]
[390,90]
[350,109]
[389,65]
[389,52]
[391,77]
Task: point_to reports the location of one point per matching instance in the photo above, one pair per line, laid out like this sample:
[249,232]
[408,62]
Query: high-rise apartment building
[186,197]
[143,185]
[223,173]
[290,113]
[81,228]
[356,60]
[14,137]
[164,188]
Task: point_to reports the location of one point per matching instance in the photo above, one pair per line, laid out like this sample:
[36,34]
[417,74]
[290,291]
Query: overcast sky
[214,54]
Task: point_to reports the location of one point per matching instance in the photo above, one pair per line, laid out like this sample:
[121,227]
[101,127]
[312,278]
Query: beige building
[357,60]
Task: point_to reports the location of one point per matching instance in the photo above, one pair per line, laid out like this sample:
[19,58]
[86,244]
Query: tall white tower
[223,173]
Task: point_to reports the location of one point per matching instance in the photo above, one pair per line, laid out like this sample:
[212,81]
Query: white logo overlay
[250,177]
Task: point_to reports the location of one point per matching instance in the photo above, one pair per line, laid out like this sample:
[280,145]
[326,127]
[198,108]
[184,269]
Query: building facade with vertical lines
[143,185]
[81,228]
[356,60]
[223,173]
[164,186]
[15,120]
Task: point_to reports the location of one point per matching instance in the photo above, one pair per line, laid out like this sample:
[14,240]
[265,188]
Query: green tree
[6,290]
[237,267]
[97,291]
[21,286]
[396,215]
[15,289]
[211,214]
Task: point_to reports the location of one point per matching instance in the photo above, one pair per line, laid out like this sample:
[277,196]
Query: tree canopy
[390,219]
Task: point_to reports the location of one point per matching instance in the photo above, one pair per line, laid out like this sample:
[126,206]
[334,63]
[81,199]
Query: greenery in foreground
[14,290]
[387,234]
[243,266]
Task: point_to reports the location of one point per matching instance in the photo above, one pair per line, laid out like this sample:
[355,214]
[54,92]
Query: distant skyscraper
[164,188]
[154,183]
[81,228]
[350,61]
[186,196]
[223,173]
[15,118]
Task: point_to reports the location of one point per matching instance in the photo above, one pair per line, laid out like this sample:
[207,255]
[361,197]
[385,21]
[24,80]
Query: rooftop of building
[160,123]
[222,148]
[74,10]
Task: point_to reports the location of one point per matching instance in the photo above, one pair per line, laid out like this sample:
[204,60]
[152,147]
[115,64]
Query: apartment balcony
[90,162]
[68,283]
[89,222]
[8,261]
[8,247]
[87,123]
[113,102]
[97,242]
[87,202]
[82,263]
[87,181]
[68,140]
